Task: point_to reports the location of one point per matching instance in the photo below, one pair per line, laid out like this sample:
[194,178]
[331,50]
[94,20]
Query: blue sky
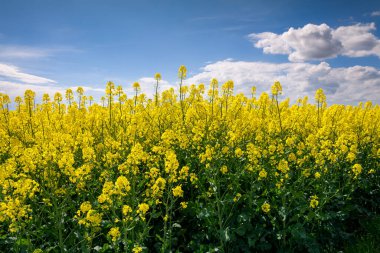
[53,45]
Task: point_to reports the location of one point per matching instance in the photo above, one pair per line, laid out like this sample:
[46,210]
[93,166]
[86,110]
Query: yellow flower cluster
[114,233]
[143,208]
[137,249]
[314,201]
[177,191]
[357,169]
[265,207]
[131,159]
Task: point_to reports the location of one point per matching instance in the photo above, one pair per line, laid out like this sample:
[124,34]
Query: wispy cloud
[342,85]
[25,52]
[319,42]
[22,52]
[10,72]
[375,14]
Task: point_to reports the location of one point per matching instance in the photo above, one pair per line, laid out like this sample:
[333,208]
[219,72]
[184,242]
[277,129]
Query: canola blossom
[197,171]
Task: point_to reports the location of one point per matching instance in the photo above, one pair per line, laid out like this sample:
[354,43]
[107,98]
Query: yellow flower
[272,149]
[182,72]
[224,169]
[238,152]
[292,157]
[80,90]
[114,233]
[306,172]
[276,88]
[18,100]
[137,249]
[357,169]
[237,197]
[177,191]
[158,186]
[93,218]
[214,83]
[351,157]
[320,97]
[143,208]
[85,207]
[317,175]
[46,98]
[184,205]
[314,201]
[157,76]
[109,88]
[265,207]
[171,162]
[283,166]
[126,210]
[228,87]
[103,198]
[136,85]
[184,172]
[262,174]
[193,178]
[122,185]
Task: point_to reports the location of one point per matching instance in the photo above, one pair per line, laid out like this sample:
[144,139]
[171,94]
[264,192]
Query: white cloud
[271,43]
[14,73]
[14,82]
[375,14]
[12,89]
[17,89]
[319,42]
[341,85]
[357,40]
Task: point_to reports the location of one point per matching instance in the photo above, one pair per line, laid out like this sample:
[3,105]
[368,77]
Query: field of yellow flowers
[198,170]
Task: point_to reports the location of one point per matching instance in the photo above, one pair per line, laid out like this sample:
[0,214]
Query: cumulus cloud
[342,85]
[358,41]
[319,42]
[14,73]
